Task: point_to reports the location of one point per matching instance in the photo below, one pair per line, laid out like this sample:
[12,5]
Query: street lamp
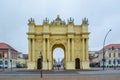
[41,58]
[11,64]
[114,63]
[103,48]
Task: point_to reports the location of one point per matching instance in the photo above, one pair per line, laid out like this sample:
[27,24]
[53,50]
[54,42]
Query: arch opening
[58,52]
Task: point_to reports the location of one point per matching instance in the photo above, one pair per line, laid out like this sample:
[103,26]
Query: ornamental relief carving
[58,41]
[77,44]
[39,44]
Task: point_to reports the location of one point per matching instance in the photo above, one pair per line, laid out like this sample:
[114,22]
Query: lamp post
[114,63]
[103,48]
[11,64]
[48,63]
[41,58]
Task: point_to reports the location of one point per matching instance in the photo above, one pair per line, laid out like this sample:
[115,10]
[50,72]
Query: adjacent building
[112,55]
[8,55]
[93,58]
[22,60]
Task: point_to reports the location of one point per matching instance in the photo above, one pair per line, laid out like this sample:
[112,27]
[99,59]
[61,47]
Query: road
[97,74]
[59,73]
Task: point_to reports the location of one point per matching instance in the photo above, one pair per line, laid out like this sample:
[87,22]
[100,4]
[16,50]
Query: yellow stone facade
[73,39]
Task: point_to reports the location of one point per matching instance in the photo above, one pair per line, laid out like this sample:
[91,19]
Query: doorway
[77,63]
[39,65]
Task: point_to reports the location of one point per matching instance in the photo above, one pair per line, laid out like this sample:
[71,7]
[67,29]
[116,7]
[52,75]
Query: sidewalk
[99,77]
[13,69]
[93,74]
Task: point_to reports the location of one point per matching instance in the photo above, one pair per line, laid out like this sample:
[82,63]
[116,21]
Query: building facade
[22,60]
[94,58]
[112,55]
[8,56]
[73,39]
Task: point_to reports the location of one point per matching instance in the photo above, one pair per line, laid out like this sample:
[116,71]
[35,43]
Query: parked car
[5,65]
[18,65]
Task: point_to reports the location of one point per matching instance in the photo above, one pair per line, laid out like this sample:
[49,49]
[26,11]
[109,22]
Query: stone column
[44,50]
[73,50]
[48,54]
[48,50]
[33,49]
[83,49]
[86,49]
[29,49]
[68,54]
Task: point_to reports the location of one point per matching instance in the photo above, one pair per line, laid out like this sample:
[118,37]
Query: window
[1,62]
[109,61]
[0,55]
[6,62]
[109,48]
[109,55]
[113,48]
[118,48]
[114,61]
[118,61]
[118,54]
[114,55]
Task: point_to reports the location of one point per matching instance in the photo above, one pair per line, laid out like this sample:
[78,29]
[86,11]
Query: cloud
[102,15]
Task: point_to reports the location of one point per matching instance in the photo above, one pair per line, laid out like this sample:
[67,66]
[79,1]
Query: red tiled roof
[6,46]
[112,45]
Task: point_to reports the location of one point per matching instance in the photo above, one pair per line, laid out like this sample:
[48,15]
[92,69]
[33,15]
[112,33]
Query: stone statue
[58,22]
[70,21]
[85,21]
[31,20]
[46,21]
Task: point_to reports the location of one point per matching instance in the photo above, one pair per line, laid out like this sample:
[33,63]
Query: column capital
[29,38]
[33,38]
[48,38]
[86,38]
[82,38]
[44,38]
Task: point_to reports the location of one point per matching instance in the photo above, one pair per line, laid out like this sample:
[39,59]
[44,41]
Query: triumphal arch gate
[73,39]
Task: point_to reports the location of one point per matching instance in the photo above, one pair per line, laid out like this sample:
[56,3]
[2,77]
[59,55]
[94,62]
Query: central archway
[60,62]
[58,57]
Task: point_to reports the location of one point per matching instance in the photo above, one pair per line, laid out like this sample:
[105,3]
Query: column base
[31,65]
[85,65]
[70,65]
[47,65]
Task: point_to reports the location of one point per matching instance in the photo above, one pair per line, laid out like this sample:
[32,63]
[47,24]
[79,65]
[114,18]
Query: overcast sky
[102,15]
